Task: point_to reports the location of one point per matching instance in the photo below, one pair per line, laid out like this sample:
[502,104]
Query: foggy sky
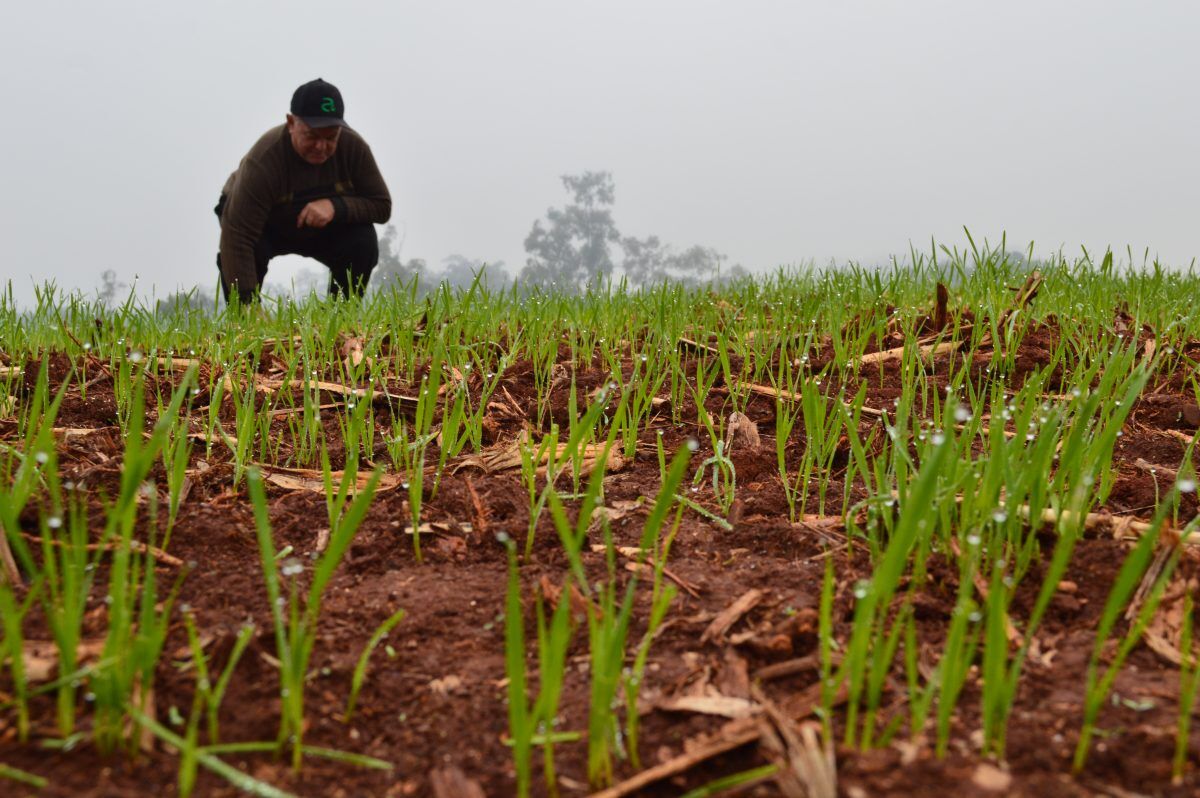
[778,133]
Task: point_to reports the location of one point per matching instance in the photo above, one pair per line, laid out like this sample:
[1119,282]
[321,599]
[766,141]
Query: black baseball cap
[319,104]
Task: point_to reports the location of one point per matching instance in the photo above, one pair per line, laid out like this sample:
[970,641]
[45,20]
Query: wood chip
[734,679]
[270,344]
[579,603]
[614,511]
[730,615]
[634,554]
[438,528]
[1024,296]
[991,778]
[313,481]
[451,782]
[929,350]
[135,545]
[1182,437]
[1169,474]
[177,363]
[70,433]
[292,411]
[228,440]
[352,351]
[772,392]
[479,513]
[1120,526]
[791,667]
[806,766]
[446,685]
[11,572]
[144,700]
[1148,350]
[263,385]
[322,539]
[507,457]
[722,705]
[688,345]
[742,433]
[185,489]
[733,735]
[40,657]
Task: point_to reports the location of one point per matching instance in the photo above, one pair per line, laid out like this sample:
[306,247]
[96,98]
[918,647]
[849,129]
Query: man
[309,187]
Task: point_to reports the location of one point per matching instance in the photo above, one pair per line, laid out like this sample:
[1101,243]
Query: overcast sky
[778,133]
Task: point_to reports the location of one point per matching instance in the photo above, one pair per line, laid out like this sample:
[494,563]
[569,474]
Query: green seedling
[296,627]
[360,670]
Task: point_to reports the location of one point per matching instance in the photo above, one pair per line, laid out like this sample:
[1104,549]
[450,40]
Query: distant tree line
[393,273]
[577,245]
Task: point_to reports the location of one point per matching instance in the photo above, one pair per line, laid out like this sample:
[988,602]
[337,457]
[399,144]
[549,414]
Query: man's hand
[317,213]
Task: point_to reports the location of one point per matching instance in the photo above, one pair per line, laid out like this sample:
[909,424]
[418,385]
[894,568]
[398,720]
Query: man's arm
[371,201]
[242,222]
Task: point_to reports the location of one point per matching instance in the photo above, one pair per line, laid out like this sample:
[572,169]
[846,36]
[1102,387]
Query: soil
[434,697]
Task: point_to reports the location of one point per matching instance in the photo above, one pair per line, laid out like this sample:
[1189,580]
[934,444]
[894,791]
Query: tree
[648,261]
[573,249]
[110,286]
[196,300]
[643,261]
[459,271]
[392,273]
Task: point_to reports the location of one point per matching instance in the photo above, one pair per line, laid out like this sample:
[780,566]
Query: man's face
[314,145]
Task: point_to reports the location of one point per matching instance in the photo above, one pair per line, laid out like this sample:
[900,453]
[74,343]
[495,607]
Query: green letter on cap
[328,105]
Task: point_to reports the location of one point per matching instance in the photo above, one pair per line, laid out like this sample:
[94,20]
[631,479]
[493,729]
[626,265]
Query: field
[843,532]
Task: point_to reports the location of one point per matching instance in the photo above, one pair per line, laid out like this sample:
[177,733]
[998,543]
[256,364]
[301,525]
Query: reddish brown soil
[439,701]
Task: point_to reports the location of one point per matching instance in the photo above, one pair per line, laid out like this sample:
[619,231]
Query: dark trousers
[350,251]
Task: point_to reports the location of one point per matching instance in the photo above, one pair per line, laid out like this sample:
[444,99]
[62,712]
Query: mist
[773,133]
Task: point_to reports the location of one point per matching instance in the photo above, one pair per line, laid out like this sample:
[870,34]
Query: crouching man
[309,187]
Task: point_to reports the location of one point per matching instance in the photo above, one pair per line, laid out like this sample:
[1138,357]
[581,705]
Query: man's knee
[361,253]
[351,257]
[363,245]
